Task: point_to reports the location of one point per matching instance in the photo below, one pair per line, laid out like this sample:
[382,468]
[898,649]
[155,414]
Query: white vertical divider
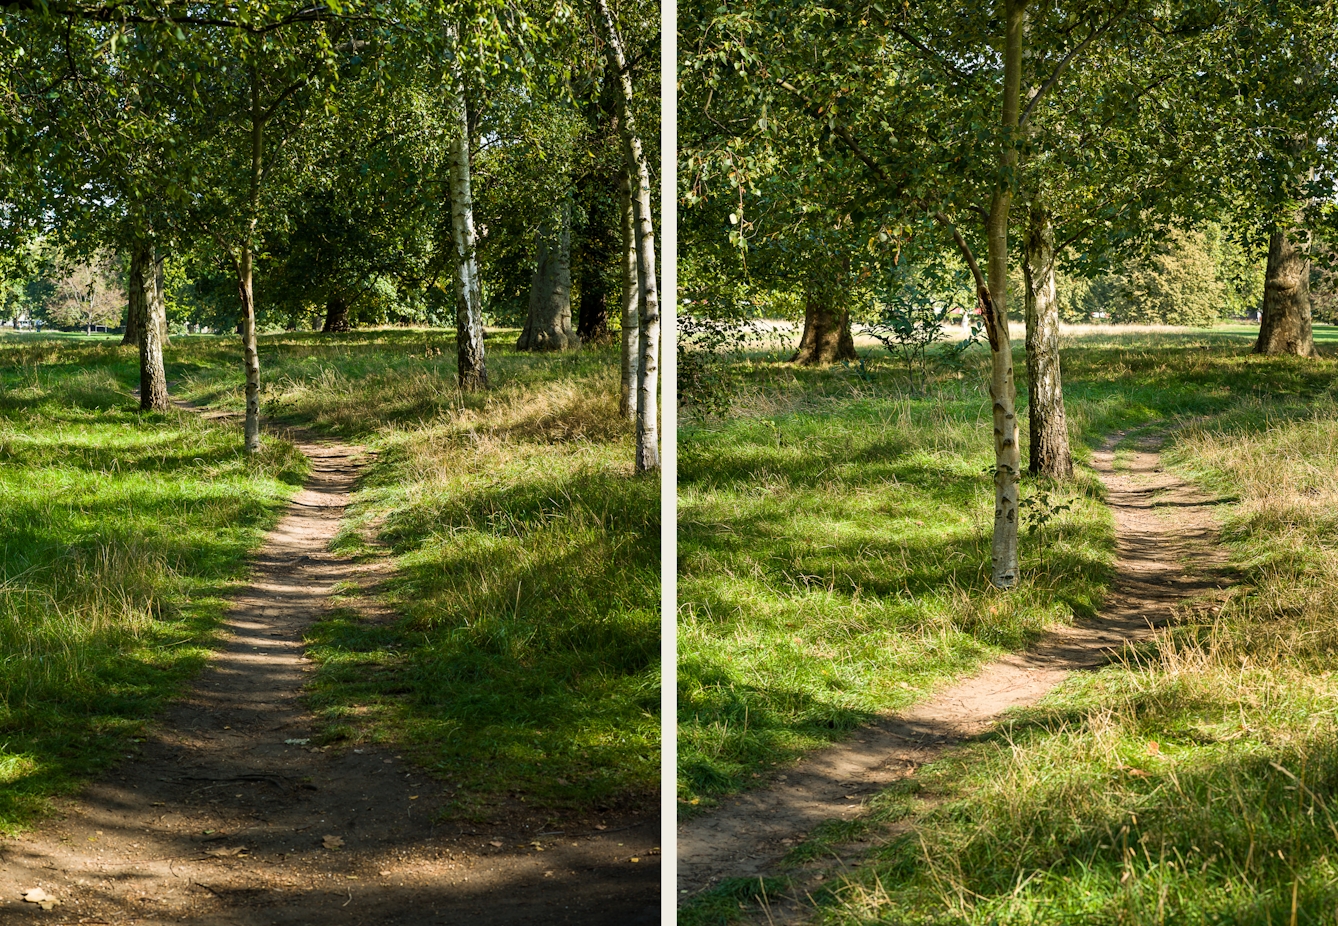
[669,302]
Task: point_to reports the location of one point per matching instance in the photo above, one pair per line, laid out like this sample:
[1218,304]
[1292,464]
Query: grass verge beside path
[1198,784]
[525,658]
[120,536]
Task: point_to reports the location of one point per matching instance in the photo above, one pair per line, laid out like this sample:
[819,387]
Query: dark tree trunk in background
[594,257]
[1284,322]
[336,314]
[1050,454]
[826,337]
[144,294]
[548,326]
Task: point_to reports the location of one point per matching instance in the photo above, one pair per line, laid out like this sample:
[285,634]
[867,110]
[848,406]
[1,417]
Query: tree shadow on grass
[528,654]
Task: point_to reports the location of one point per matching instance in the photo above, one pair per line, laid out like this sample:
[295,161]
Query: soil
[230,815]
[1166,556]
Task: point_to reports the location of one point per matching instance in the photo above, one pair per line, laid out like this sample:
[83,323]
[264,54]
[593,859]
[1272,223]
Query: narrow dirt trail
[1165,536]
[222,816]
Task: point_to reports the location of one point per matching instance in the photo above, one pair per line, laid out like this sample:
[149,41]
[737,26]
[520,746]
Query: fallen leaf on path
[548,874]
[331,842]
[634,859]
[225,851]
[40,897]
[496,843]
[413,797]
[600,826]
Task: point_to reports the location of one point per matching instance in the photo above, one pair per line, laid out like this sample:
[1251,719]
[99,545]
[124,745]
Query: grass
[513,649]
[1194,784]
[524,658]
[120,534]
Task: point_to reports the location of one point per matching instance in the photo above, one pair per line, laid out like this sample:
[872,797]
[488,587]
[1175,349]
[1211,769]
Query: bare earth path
[1165,534]
[222,816]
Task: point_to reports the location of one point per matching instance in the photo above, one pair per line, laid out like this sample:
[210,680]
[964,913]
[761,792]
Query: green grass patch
[524,659]
[120,535]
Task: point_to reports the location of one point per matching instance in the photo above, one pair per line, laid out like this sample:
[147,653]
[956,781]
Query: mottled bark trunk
[250,351]
[548,326]
[994,311]
[134,320]
[336,314]
[648,335]
[471,368]
[630,295]
[1285,322]
[826,338]
[143,292]
[1050,453]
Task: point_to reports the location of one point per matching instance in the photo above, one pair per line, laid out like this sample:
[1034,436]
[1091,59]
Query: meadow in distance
[329,462]
[1007,462]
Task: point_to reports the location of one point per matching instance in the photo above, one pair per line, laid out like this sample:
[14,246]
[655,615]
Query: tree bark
[826,338]
[133,319]
[1050,453]
[143,294]
[548,326]
[472,370]
[245,272]
[336,314]
[648,335]
[627,402]
[1285,322]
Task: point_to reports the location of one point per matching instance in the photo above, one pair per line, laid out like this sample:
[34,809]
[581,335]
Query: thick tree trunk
[631,297]
[336,314]
[1284,322]
[648,336]
[826,338]
[144,292]
[133,320]
[548,326]
[471,368]
[1050,454]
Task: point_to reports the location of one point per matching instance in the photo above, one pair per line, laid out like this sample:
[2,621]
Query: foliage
[912,323]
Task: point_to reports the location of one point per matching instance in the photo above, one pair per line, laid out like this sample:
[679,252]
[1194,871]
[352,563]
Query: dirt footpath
[228,814]
[1166,553]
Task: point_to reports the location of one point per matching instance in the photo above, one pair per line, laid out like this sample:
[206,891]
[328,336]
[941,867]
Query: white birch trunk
[472,369]
[631,297]
[648,335]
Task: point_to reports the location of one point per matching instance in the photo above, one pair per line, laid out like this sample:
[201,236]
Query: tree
[648,305]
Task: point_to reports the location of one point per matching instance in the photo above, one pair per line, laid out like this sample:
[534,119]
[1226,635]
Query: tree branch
[1064,64]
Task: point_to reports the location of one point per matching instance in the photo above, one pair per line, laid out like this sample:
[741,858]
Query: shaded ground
[1166,555]
[228,814]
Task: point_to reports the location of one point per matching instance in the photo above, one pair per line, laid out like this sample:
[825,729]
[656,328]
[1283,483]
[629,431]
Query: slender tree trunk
[826,338]
[245,273]
[548,325]
[336,314]
[648,336]
[1285,322]
[627,402]
[472,369]
[1050,454]
[992,292]
[143,293]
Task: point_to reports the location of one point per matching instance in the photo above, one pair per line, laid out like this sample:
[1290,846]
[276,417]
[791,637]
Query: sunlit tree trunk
[648,336]
[548,325]
[472,371]
[143,293]
[630,295]
[826,337]
[245,273]
[1285,322]
[1050,454]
